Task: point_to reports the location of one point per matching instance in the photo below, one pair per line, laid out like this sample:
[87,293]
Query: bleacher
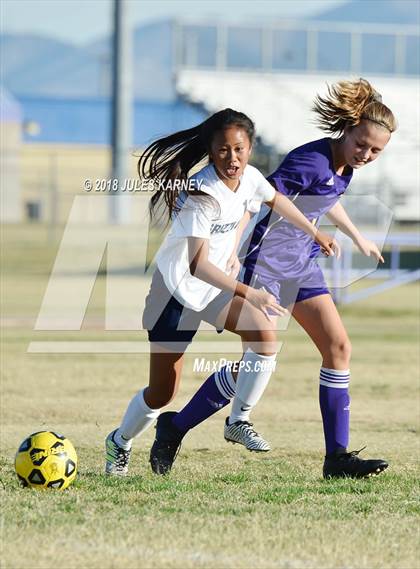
[280,105]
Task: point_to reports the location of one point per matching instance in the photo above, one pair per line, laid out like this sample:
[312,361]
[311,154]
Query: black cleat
[343,464]
[166,445]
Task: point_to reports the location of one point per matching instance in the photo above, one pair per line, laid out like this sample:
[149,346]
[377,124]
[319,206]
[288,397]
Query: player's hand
[265,301]
[233,266]
[329,246]
[370,249]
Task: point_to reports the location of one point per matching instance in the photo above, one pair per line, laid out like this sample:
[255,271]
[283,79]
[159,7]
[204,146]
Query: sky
[83,21]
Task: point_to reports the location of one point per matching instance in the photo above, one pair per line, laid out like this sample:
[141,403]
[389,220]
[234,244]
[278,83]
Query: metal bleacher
[280,105]
[278,94]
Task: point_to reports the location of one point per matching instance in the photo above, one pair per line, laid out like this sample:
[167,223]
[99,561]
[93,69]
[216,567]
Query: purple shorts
[289,291]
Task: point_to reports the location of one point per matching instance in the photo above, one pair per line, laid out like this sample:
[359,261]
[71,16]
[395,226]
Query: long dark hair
[173,156]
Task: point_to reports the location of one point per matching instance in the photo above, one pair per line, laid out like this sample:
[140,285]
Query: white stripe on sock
[336,372]
[334,378]
[333,385]
[225,383]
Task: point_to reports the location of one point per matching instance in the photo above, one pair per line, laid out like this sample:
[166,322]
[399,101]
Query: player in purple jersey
[193,280]
[281,259]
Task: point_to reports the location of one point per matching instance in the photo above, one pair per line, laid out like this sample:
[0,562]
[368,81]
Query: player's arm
[285,208]
[202,268]
[241,227]
[233,265]
[337,214]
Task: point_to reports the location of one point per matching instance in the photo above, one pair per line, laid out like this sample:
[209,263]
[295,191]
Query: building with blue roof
[11,138]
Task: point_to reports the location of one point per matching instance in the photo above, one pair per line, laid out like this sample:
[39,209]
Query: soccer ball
[46,460]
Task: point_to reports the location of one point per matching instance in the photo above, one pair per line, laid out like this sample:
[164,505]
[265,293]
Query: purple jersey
[278,250]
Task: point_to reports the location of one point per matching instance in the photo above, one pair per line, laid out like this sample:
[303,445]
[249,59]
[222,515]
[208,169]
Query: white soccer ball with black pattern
[46,460]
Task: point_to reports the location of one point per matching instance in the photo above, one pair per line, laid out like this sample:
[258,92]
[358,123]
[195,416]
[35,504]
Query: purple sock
[334,401]
[215,393]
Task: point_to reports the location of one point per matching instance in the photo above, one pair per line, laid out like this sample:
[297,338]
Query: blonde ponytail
[349,102]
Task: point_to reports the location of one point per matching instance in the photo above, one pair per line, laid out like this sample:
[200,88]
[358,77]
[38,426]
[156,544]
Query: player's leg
[164,376]
[321,320]
[259,348]
[143,409]
[168,341]
[238,316]
[259,341]
[319,317]
[254,370]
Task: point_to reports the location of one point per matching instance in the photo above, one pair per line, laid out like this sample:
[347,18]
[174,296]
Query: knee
[158,400]
[261,341]
[340,350]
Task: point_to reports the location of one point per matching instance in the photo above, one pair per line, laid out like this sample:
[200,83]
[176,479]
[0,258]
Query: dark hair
[173,156]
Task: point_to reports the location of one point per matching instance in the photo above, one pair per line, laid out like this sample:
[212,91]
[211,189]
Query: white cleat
[241,432]
[117,458]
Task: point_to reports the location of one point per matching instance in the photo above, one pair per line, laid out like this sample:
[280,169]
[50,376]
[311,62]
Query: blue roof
[88,121]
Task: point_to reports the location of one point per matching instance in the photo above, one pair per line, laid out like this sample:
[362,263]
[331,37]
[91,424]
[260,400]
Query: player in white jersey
[282,259]
[195,278]
[217,220]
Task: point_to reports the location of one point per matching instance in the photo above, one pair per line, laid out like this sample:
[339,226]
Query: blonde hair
[348,103]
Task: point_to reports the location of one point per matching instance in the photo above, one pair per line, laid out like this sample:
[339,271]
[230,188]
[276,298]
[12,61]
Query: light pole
[122,103]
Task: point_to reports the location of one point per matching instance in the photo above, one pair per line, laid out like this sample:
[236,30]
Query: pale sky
[83,21]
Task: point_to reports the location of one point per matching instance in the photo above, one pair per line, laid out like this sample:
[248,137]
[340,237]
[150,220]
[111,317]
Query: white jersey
[214,219]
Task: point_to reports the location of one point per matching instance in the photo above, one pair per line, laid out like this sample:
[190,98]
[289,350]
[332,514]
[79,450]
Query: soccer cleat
[166,445]
[117,458]
[241,432]
[343,464]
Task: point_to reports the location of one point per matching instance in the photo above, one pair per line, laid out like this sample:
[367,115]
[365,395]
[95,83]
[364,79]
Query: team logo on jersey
[224,227]
[330,182]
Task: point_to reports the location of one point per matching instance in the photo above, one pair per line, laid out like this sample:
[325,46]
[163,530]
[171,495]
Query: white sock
[253,377]
[137,419]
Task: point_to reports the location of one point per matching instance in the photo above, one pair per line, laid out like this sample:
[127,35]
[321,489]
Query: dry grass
[221,506]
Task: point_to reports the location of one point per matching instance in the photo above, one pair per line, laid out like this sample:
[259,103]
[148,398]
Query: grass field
[221,507]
